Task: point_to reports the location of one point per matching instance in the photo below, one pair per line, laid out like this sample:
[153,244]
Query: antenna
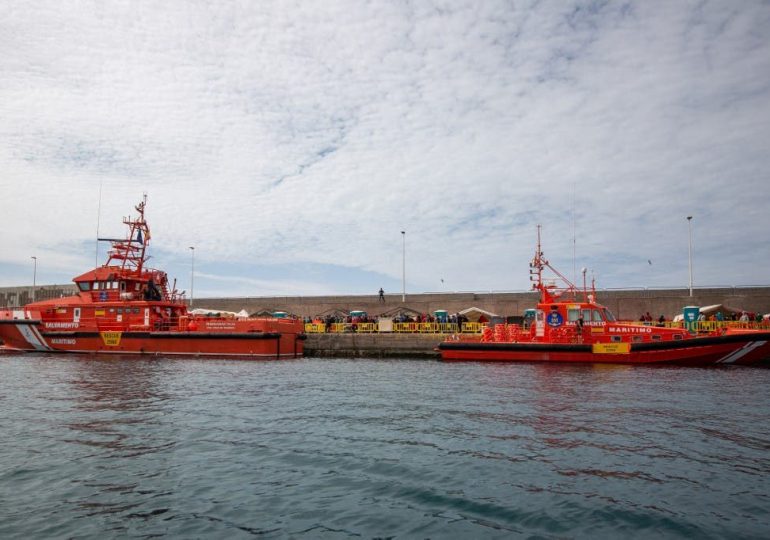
[574,236]
[98,216]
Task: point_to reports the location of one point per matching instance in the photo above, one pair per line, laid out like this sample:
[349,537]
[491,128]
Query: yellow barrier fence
[473,327]
[708,326]
[409,328]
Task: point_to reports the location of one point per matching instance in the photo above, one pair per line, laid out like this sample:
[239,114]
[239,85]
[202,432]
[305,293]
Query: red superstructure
[570,326]
[124,307]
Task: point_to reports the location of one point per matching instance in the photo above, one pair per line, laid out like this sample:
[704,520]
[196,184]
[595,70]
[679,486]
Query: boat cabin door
[539,323]
[76,315]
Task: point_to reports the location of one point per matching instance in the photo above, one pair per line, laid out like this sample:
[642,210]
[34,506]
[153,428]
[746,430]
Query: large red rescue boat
[570,326]
[124,307]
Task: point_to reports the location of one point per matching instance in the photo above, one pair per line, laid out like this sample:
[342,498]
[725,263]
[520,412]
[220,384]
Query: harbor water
[103,447]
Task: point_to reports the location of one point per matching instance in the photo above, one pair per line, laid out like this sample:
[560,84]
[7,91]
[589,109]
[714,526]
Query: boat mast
[548,292]
[131,251]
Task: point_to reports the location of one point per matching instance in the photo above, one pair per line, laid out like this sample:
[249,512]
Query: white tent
[213,312]
[708,311]
[474,313]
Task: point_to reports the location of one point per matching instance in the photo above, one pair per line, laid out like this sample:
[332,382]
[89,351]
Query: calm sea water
[320,448]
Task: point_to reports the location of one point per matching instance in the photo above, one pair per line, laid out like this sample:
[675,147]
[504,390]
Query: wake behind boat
[124,307]
[570,326]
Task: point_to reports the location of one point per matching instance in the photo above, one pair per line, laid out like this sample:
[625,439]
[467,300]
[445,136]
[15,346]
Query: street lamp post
[192,273]
[34,277]
[689,248]
[403,267]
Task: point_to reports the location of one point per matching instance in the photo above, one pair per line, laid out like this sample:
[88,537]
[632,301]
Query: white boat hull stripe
[740,353]
[29,334]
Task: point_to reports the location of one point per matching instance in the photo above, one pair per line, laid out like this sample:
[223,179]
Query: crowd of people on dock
[330,319]
[647,319]
[744,316]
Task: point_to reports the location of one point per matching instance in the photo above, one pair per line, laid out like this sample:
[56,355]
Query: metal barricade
[472,327]
[315,328]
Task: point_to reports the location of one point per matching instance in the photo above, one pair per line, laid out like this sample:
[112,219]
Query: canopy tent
[707,311]
[474,314]
[279,313]
[396,311]
[213,313]
[332,312]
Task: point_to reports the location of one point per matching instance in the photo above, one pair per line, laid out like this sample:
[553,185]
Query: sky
[290,142]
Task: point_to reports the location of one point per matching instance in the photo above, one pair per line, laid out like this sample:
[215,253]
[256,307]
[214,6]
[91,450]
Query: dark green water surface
[187,448]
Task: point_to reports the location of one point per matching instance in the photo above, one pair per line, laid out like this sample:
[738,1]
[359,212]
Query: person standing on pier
[382,295]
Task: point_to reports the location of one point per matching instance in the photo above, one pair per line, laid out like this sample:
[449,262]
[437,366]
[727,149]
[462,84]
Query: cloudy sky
[291,142]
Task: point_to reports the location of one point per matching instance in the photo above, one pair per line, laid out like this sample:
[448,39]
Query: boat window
[586,315]
[616,339]
[96,285]
[137,286]
[597,316]
[573,314]
[84,286]
[636,339]
[608,315]
[122,285]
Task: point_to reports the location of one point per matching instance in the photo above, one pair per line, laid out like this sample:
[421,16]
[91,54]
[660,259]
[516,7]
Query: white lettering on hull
[629,330]
[69,325]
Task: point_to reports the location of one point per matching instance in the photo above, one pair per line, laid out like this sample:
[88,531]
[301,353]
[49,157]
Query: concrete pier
[373,345]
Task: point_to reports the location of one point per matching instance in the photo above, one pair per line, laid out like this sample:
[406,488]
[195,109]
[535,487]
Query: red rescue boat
[123,307]
[570,326]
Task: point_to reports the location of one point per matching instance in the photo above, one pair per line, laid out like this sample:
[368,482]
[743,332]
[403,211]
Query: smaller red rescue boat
[570,326]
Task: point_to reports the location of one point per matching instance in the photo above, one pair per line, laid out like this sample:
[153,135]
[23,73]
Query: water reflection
[117,418]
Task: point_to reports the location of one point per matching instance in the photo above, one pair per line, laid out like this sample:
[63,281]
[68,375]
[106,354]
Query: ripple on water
[360,448]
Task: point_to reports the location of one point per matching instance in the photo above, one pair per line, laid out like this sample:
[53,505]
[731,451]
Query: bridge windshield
[608,316]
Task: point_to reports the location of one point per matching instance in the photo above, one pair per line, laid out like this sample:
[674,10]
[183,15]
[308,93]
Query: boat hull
[741,349]
[27,335]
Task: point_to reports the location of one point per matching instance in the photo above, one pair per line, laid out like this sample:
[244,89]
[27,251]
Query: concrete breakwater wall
[625,304]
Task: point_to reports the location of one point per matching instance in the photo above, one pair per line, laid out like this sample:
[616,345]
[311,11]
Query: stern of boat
[20,330]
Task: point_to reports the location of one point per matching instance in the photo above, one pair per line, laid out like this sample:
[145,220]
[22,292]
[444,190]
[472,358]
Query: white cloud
[300,135]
